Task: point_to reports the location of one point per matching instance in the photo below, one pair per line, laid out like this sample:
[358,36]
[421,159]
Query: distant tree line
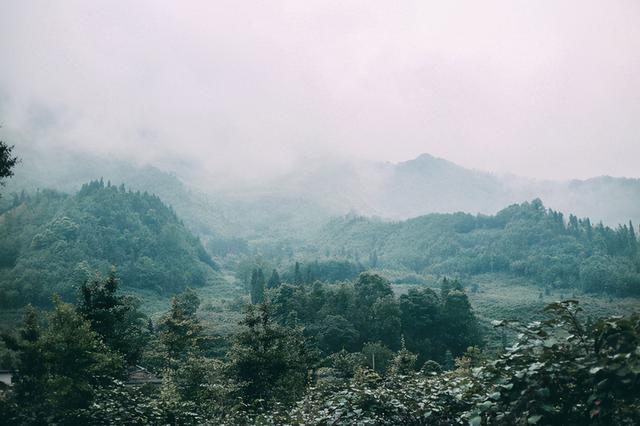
[525,240]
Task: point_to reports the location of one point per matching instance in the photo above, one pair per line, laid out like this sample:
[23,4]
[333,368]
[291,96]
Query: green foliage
[7,161]
[257,286]
[377,356]
[60,368]
[274,280]
[114,317]
[327,270]
[404,362]
[558,372]
[179,330]
[58,239]
[525,240]
[346,316]
[269,361]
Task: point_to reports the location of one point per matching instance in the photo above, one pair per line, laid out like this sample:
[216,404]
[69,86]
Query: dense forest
[525,239]
[51,242]
[127,318]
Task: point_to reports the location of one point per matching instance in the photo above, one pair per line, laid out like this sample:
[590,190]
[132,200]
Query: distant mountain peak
[427,161]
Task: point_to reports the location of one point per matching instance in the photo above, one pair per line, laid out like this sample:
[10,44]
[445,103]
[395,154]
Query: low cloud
[535,88]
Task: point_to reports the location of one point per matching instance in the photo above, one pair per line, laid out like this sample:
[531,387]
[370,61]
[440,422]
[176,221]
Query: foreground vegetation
[71,369]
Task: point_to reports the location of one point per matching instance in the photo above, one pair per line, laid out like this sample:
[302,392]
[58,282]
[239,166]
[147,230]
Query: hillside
[51,242]
[524,240]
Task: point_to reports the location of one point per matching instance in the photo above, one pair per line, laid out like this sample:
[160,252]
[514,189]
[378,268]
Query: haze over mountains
[315,190]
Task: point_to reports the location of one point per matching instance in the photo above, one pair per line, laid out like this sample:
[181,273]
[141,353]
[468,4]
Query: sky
[545,89]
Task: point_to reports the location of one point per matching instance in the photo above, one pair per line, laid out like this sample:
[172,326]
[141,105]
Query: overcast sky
[548,89]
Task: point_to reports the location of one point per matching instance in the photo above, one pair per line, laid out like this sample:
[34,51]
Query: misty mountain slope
[50,242]
[433,185]
[295,205]
[612,200]
[428,184]
[67,170]
[523,240]
[211,214]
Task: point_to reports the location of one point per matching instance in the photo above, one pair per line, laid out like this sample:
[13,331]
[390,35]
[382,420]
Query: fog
[540,89]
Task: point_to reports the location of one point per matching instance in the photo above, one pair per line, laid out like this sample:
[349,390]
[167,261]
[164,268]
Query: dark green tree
[114,317]
[189,302]
[404,362]
[460,325]
[269,361]
[180,331]
[257,286]
[335,333]
[297,275]
[421,323]
[274,280]
[61,368]
[7,161]
[29,384]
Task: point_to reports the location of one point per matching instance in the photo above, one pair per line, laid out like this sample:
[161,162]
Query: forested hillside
[525,240]
[51,242]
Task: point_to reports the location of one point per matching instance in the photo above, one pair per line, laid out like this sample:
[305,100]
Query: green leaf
[475,421]
[534,419]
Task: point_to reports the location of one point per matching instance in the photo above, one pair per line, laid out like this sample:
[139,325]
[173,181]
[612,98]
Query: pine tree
[180,331]
[404,362]
[29,383]
[297,275]
[267,360]
[114,317]
[274,280]
[449,362]
[633,241]
[60,367]
[257,286]
[7,161]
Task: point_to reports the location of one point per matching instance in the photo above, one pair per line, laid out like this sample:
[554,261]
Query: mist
[249,91]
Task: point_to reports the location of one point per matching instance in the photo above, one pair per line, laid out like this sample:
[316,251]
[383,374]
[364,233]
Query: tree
[29,384]
[421,322]
[377,356]
[460,325]
[297,275]
[114,317]
[368,289]
[180,331]
[386,323]
[269,361]
[7,161]
[257,286]
[404,362]
[336,333]
[61,367]
[274,280]
[189,302]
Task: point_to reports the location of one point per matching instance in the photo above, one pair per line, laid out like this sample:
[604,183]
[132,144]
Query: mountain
[50,242]
[293,206]
[428,184]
